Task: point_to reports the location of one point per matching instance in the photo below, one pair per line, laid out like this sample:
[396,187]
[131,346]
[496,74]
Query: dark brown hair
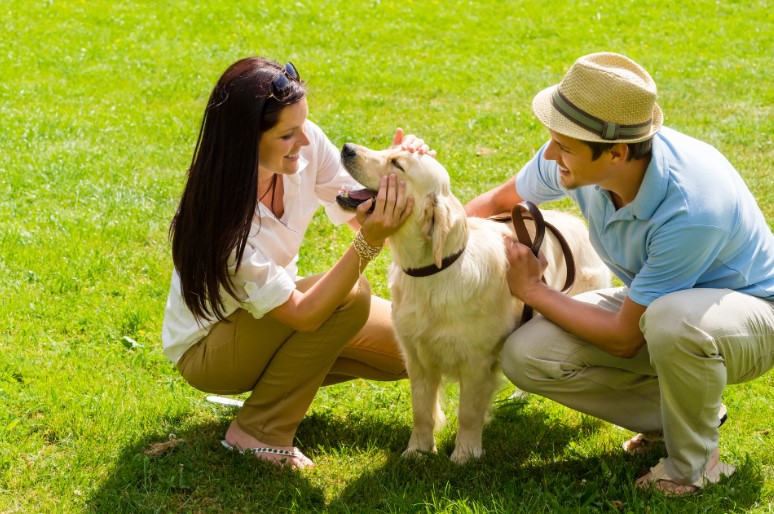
[219,200]
[636,150]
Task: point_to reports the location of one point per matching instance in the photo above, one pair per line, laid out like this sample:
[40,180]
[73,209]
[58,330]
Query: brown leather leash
[529,211]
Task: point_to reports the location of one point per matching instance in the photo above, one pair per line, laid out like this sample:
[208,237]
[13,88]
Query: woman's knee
[349,318]
[357,305]
[359,297]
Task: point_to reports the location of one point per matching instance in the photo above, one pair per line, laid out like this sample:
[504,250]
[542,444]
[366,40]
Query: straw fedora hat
[604,97]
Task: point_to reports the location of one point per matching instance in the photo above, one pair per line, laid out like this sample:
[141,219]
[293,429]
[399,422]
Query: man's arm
[617,333]
[495,201]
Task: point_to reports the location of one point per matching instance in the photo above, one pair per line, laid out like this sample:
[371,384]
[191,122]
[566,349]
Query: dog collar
[426,271]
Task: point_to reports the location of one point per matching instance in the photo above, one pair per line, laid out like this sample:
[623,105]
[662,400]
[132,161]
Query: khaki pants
[284,368]
[698,341]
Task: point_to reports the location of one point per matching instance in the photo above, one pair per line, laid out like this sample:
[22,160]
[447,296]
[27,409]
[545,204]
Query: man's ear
[619,152]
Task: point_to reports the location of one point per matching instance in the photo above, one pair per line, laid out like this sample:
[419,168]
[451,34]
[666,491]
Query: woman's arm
[306,311]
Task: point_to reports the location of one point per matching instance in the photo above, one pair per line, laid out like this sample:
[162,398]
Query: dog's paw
[463,454]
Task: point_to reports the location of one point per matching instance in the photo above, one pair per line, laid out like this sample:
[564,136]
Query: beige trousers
[284,368]
[698,341]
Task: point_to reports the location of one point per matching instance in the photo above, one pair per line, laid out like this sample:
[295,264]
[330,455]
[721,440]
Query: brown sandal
[277,456]
[658,479]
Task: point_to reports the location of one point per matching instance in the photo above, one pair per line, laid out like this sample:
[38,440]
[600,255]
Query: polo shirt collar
[654,185]
[653,189]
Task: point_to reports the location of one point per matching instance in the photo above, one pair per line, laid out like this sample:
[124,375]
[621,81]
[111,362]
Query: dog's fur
[453,323]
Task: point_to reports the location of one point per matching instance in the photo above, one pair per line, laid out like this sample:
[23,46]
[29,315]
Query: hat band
[608,131]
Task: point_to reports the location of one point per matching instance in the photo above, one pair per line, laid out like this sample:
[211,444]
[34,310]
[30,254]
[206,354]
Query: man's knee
[669,323]
[521,355]
[511,359]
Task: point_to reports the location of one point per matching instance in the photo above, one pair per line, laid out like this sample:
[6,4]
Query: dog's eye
[395,163]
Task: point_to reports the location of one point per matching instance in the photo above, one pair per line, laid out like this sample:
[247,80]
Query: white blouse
[268,271]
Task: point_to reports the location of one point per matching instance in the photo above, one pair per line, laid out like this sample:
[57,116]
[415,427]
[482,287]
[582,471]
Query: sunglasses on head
[280,85]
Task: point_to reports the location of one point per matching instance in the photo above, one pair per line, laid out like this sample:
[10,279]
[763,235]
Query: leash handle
[517,217]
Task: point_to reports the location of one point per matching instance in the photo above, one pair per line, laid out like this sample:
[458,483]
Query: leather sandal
[658,478]
[282,456]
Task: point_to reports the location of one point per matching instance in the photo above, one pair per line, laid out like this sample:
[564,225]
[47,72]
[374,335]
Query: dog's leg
[477,386]
[425,386]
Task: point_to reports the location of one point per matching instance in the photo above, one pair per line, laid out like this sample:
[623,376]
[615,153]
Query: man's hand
[411,143]
[525,270]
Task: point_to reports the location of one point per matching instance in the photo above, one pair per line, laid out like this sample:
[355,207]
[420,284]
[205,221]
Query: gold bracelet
[365,251]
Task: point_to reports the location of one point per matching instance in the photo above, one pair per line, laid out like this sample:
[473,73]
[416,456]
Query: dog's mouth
[350,200]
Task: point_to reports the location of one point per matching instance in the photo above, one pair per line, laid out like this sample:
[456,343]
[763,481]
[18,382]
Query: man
[675,222]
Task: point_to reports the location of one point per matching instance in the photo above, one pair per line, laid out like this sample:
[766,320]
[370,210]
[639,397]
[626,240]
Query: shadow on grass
[192,472]
[532,465]
[526,469]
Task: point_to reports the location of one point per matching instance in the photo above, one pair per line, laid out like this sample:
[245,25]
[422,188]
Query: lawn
[101,103]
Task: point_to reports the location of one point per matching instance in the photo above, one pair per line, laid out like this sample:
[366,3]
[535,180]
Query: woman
[238,318]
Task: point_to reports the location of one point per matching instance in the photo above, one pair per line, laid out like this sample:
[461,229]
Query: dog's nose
[348,150]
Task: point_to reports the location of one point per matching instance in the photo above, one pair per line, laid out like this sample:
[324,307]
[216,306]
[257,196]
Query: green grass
[100,104]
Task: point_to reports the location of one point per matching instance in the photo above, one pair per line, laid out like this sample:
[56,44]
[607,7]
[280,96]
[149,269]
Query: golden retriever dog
[452,323]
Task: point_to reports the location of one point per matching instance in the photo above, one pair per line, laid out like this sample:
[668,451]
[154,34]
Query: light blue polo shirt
[693,224]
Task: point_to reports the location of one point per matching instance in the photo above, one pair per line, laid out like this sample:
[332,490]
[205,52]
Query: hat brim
[549,116]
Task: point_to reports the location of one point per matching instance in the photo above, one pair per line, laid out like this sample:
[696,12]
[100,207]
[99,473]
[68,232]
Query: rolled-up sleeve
[266,285]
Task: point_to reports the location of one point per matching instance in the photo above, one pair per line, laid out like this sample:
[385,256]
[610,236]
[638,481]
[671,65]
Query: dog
[452,323]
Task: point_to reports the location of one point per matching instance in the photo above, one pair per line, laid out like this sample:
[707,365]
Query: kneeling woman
[238,317]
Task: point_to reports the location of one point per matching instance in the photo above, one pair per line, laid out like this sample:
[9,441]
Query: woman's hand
[392,209]
[411,143]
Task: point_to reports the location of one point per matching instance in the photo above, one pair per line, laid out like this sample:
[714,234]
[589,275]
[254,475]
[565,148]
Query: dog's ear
[428,214]
[435,225]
